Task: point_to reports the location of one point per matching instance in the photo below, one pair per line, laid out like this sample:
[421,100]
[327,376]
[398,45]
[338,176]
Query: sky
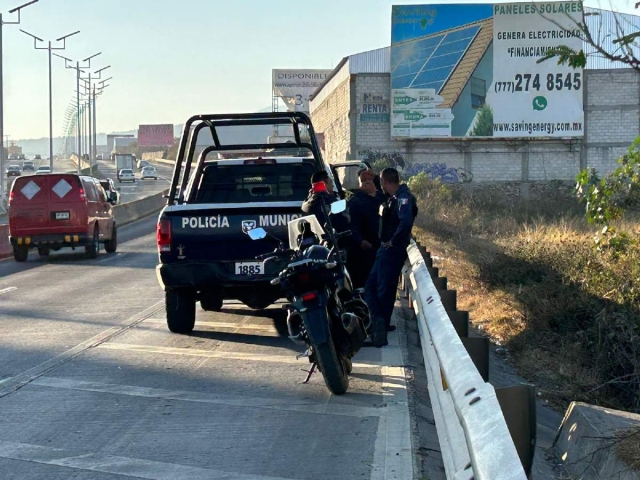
[172,59]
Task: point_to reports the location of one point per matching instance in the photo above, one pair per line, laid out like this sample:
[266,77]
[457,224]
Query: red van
[57,210]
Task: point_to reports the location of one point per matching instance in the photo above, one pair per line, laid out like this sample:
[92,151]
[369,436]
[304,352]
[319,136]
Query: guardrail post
[460,322]
[478,350]
[449,299]
[440,283]
[518,405]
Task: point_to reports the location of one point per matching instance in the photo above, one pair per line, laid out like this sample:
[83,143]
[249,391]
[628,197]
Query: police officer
[398,214]
[313,206]
[365,221]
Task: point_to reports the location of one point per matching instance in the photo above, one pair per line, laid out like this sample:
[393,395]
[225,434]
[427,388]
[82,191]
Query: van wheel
[20,253]
[93,249]
[111,246]
[43,251]
[181,310]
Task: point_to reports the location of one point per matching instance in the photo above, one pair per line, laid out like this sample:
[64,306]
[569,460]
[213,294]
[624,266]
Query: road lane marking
[116,465]
[241,401]
[7,290]
[237,326]
[393,454]
[12,384]
[193,352]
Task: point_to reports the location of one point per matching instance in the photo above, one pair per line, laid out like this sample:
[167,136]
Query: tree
[484,122]
[619,46]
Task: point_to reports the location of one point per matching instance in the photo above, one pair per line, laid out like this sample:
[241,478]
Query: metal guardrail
[474,438]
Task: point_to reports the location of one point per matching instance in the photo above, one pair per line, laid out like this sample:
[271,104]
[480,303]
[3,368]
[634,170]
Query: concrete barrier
[5,246]
[132,211]
[86,168]
[163,161]
[124,214]
[586,442]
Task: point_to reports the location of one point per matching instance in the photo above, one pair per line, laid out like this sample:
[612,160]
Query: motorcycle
[325,315]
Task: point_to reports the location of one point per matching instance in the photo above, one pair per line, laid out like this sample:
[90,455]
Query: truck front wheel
[181,310]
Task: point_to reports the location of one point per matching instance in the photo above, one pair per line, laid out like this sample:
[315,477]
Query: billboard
[295,87]
[461,70]
[155,135]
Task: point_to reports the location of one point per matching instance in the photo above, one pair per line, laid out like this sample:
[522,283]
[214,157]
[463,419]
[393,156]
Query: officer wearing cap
[397,216]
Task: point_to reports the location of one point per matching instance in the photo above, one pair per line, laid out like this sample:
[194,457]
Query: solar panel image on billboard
[428,62]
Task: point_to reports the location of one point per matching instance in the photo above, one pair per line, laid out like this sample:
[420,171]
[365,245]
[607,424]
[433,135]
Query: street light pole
[2,22]
[50,48]
[69,64]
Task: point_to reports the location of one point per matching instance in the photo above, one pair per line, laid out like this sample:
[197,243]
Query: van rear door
[47,204]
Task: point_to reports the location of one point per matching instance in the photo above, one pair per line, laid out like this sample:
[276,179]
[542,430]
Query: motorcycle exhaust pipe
[349,322]
[294,326]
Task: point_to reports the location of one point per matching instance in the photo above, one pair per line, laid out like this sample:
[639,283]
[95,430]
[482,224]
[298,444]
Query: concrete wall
[612,119]
[333,117]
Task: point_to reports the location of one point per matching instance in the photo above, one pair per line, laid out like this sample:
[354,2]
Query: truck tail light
[319,187]
[81,191]
[163,235]
[12,195]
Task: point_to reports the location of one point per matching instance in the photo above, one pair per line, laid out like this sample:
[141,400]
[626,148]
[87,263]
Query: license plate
[249,268]
[62,215]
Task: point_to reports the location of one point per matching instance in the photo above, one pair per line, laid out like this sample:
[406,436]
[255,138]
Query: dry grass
[530,279]
[628,450]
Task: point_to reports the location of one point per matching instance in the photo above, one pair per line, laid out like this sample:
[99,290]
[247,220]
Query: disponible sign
[155,135]
[476,67]
[295,87]
[536,99]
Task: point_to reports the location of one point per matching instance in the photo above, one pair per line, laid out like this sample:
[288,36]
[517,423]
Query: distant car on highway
[13,171]
[37,157]
[113,193]
[142,163]
[28,166]
[126,175]
[149,172]
[14,156]
[50,212]
[21,156]
[43,169]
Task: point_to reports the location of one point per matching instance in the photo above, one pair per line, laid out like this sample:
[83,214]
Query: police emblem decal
[248,225]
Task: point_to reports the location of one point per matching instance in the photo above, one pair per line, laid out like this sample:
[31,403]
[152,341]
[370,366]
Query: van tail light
[163,235]
[81,191]
[12,195]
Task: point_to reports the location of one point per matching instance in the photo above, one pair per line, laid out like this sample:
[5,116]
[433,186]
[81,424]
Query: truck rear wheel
[181,310]
[20,253]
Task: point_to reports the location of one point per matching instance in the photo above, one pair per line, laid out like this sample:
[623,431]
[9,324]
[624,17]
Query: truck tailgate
[219,234]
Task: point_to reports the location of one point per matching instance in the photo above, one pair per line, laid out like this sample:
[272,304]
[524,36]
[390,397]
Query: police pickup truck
[205,251]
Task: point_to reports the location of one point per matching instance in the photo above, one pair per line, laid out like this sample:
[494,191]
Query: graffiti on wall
[396,159]
[440,171]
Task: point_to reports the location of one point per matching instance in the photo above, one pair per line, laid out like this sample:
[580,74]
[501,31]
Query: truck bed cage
[195,124]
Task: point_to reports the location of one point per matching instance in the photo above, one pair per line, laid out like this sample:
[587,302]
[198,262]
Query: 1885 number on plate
[249,268]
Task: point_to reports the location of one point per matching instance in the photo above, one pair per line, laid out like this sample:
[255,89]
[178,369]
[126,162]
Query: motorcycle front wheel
[333,368]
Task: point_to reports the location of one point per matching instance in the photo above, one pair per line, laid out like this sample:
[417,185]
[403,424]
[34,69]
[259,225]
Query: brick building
[352,110]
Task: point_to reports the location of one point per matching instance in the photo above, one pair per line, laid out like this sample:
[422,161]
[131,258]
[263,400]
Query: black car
[13,171]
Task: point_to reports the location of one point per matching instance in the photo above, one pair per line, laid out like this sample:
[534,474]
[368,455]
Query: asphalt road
[94,386]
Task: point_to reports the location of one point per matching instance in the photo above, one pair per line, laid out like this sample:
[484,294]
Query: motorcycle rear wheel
[333,368]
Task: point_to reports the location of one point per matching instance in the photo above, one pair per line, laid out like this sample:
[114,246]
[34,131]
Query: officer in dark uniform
[398,214]
[365,224]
